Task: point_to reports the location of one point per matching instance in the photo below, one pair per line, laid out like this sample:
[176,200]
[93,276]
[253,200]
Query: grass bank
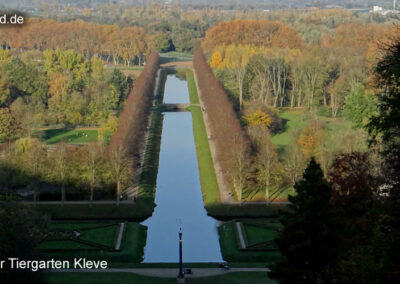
[208,178]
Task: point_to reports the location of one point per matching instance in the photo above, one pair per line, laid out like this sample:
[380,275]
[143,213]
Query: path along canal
[178,195]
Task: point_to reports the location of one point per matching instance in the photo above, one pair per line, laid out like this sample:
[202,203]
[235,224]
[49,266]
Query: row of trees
[231,142]
[128,139]
[86,172]
[287,74]
[129,44]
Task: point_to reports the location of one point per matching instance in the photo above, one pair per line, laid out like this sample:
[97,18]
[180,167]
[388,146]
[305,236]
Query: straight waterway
[178,197]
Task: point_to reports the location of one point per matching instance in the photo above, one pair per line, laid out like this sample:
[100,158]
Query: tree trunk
[63,192]
[118,191]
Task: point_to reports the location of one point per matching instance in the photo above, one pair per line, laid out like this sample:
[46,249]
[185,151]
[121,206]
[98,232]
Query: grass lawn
[75,136]
[208,178]
[292,121]
[257,234]
[120,277]
[231,252]
[133,243]
[275,194]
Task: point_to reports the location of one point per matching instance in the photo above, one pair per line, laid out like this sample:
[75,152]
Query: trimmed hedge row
[135,115]
[230,139]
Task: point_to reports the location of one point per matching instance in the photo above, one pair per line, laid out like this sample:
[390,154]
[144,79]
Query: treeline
[232,144]
[66,173]
[129,44]
[129,136]
[286,74]
[262,32]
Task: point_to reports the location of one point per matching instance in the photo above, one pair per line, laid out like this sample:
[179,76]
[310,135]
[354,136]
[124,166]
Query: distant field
[75,136]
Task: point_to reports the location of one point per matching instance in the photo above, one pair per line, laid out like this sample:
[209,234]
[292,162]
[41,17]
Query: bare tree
[120,167]
[61,166]
[267,158]
[93,164]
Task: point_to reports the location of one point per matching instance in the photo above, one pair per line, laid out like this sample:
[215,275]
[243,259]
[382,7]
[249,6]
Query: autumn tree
[384,127]
[120,168]
[60,158]
[269,169]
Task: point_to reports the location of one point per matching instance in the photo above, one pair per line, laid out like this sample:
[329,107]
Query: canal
[178,195]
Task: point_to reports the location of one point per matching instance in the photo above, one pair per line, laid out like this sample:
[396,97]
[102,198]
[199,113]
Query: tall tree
[385,127]
[309,239]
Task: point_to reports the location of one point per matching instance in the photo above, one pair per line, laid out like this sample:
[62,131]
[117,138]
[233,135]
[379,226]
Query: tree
[93,163]
[309,238]
[61,166]
[119,81]
[120,167]
[267,159]
[34,155]
[236,59]
[385,128]
[359,106]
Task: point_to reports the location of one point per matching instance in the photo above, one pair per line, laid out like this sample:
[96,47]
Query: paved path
[169,272]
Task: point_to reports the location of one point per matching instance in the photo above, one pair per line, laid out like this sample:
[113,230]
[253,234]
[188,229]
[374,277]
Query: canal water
[178,197]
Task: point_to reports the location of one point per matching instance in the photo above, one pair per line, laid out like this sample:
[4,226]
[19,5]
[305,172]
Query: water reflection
[178,197]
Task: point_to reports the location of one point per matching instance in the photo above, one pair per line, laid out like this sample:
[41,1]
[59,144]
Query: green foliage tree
[309,241]
[385,127]
[359,106]
[119,81]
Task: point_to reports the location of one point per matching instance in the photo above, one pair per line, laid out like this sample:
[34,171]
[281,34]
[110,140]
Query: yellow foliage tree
[258,118]
[216,60]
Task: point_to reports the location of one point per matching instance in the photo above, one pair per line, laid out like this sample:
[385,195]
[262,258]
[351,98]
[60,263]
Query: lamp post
[180,275]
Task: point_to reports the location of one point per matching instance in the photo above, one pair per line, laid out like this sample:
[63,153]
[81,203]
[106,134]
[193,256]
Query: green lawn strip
[121,277]
[51,136]
[208,178]
[231,253]
[194,98]
[133,243]
[100,277]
